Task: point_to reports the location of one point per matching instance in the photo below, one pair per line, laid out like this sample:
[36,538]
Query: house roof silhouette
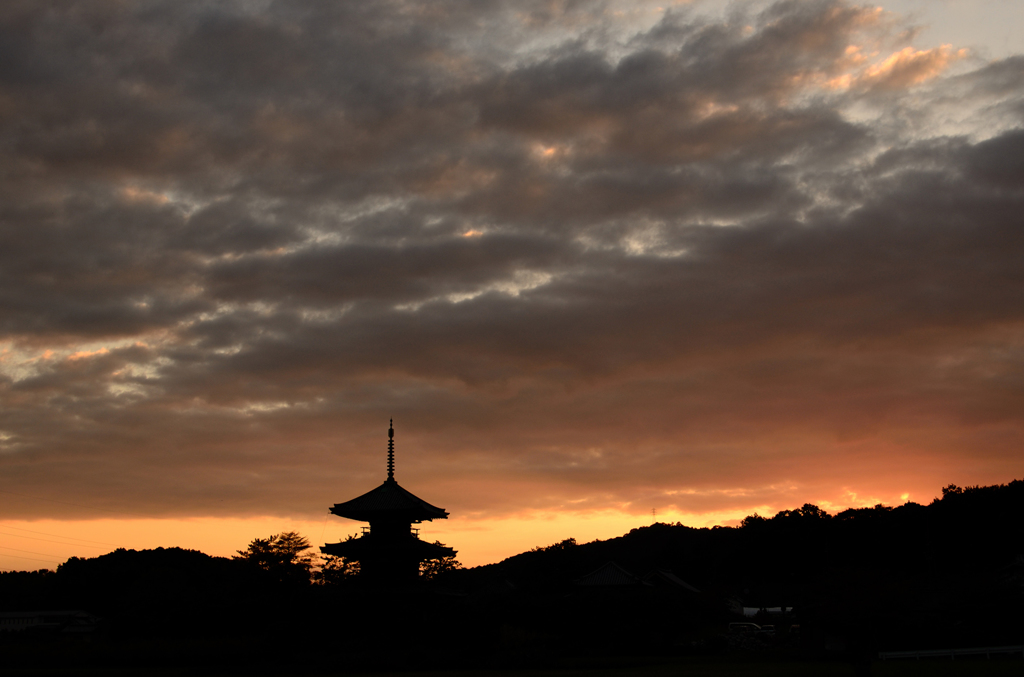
[665,578]
[610,574]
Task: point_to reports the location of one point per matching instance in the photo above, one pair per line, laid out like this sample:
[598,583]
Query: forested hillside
[946,574]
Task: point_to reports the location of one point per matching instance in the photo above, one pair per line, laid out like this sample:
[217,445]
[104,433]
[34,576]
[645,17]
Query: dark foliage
[950,573]
[913,576]
[280,558]
[441,568]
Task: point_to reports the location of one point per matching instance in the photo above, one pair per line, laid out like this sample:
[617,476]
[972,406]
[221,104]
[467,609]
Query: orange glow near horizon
[44,544]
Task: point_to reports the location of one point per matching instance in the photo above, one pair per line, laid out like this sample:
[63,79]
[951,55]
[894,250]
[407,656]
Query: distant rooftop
[610,574]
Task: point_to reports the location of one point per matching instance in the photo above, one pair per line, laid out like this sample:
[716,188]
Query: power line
[48,540]
[324,529]
[72,538]
[35,559]
[4,547]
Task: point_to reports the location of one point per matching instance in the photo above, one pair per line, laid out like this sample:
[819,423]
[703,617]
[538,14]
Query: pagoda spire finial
[391,450]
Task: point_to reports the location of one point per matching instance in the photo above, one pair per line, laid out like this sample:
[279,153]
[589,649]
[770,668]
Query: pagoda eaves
[389,501]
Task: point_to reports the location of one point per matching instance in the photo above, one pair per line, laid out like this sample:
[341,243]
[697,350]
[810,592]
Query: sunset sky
[594,258]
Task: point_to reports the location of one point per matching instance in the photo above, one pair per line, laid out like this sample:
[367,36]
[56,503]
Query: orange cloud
[900,70]
[82,354]
[909,67]
[136,194]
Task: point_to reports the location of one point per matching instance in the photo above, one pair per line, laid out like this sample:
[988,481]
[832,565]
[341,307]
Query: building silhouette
[389,551]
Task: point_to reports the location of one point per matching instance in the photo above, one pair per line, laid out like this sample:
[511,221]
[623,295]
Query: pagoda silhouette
[389,551]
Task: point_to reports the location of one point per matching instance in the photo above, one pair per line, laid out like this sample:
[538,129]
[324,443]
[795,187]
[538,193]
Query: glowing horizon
[478,541]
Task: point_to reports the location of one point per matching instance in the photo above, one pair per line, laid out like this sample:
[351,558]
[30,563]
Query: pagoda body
[390,551]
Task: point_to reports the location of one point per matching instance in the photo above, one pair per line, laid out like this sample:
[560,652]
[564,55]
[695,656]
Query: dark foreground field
[685,668]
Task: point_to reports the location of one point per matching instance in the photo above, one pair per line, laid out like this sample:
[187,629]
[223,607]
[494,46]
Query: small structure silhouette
[663,578]
[611,574]
[390,551]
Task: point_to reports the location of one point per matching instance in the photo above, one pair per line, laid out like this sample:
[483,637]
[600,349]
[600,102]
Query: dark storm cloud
[692,258]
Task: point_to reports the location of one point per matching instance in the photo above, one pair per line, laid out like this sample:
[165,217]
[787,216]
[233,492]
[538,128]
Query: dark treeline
[947,574]
[885,578]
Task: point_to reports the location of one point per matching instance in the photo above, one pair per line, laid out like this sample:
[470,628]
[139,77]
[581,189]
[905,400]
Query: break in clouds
[587,255]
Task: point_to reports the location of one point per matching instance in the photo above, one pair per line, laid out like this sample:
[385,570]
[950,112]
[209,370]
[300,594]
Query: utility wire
[324,530]
[34,559]
[49,540]
[70,538]
[4,547]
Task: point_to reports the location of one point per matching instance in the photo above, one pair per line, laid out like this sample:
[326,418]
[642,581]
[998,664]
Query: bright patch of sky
[992,28]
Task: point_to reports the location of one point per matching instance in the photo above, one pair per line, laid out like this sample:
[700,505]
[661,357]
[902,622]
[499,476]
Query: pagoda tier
[391,502]
[390,551]
[387,561]
[369,546]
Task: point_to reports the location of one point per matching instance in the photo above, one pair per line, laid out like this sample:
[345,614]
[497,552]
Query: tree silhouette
[753,521]
[808,511]
[282,556]
[951,490]
[335,571]
[556,547]
[432,568]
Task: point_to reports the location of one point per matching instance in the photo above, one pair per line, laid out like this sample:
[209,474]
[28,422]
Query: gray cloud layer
[577,255]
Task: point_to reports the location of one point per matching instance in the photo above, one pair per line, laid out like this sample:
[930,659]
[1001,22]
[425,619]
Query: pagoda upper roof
[389,501]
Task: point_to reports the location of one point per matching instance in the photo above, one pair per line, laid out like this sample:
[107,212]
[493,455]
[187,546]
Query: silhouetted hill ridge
[767,561]
[950,573]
